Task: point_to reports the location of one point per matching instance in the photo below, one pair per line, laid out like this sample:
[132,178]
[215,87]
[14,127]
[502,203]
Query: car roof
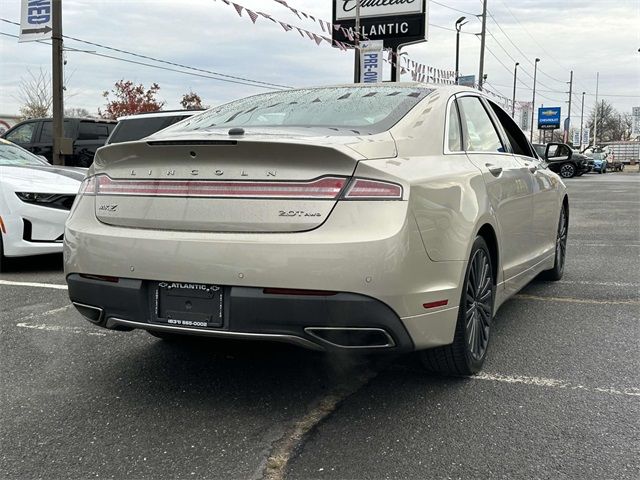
[163,113]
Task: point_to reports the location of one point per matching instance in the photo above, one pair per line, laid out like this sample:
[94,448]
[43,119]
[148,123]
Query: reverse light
[365,189]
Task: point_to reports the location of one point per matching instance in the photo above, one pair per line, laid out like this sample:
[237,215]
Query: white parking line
[58,328]
[554,383]
[599,284]
[55,286]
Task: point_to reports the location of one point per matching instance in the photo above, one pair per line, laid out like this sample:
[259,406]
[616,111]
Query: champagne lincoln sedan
[370,218]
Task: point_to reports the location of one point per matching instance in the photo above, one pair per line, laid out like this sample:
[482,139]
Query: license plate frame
[189,305]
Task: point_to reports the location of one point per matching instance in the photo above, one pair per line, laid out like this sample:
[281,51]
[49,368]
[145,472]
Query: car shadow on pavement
[39,263]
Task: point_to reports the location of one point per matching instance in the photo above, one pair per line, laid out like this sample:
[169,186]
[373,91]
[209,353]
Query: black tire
[3,259]
[567,170]
[466,355]
[604,170]
[557,271]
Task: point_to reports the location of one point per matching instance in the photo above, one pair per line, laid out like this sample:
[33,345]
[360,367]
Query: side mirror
[557,150]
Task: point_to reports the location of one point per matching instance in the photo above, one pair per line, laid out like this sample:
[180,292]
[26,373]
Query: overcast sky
[583,35]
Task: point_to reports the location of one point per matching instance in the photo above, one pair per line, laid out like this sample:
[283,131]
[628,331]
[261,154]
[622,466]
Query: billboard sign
[395,22]
[548,118]
[586,136]
[371,61]
[467,81]
[635,117]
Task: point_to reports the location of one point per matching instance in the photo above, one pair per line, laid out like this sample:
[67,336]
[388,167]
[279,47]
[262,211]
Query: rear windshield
[137,128]
[342,109]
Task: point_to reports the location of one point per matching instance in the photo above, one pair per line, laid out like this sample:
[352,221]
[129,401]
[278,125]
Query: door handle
[495,171]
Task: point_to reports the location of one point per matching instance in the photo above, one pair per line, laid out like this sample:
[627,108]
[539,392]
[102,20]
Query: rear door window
[454,133]
[46,132]
[481,133]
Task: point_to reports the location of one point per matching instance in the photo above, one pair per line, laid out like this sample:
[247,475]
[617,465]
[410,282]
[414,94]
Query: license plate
[190,305]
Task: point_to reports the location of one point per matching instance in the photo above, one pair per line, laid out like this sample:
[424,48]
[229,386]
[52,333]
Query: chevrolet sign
[549,118]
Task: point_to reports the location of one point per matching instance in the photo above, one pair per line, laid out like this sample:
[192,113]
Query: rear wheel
[467,353]
[567,170]
[557,271]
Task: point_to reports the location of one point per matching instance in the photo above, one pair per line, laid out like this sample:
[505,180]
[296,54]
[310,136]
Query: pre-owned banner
[371,61]
[36,21]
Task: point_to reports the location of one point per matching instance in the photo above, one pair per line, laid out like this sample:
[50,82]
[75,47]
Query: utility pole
[58,94]
[533,101]
[567,127]
[513,100]
[356,67]
[595,120]
[483,39]
[582,120]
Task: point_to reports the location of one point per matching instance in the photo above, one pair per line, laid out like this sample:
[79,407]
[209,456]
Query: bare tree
[612,125]
[35,94]
[78,113]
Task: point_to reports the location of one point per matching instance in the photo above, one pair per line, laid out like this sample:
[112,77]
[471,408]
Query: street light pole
[483,39]
[582,120]
[459,23]
[356,67]
[513,100]
[595,120]
[533,101]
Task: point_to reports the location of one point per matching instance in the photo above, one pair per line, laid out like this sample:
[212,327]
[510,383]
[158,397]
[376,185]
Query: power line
[454,9]
[258,83]
[135,62]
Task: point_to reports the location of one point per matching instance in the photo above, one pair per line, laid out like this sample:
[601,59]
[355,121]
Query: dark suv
[563,160]
[88,135]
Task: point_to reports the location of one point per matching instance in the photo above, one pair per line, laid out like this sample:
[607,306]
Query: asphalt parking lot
[559,396]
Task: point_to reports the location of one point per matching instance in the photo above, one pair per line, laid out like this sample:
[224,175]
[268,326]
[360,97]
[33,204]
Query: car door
[507,181]
[543,184]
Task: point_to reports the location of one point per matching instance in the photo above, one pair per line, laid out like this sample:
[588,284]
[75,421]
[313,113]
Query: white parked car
[378,218]
[35,200]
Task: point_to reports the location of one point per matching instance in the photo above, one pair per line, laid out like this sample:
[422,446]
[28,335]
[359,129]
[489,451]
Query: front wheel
[567,170]
[466,355]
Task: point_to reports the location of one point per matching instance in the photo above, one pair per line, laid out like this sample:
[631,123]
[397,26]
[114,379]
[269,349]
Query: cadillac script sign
[346,9]
[396,22]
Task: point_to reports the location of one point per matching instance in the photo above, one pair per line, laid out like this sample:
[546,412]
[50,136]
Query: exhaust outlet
[352,337]
[93,314]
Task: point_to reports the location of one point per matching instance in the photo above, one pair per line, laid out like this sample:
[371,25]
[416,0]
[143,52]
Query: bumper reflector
[439,303]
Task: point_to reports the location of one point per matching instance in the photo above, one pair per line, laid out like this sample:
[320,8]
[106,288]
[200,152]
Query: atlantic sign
[396,22]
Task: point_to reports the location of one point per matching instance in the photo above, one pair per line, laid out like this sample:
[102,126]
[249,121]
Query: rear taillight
[322,188]
[365,189]
[88,186]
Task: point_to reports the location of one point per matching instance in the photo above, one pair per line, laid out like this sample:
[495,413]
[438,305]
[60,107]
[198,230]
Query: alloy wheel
[567,170]
[479,304]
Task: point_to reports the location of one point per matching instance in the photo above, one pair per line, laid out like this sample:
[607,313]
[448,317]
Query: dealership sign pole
[396,22]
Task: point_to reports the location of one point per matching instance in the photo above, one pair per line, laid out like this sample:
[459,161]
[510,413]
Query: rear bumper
[344,321]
